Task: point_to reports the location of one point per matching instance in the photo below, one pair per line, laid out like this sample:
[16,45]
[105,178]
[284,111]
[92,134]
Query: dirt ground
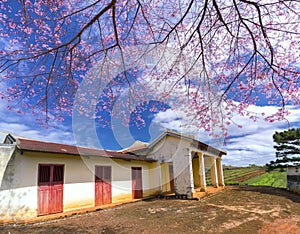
[233,210]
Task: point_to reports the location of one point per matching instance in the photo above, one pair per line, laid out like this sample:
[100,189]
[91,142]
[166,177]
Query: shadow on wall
[13,202]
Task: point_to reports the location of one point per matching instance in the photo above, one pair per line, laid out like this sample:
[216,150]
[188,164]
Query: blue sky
[251,144]
[247,145]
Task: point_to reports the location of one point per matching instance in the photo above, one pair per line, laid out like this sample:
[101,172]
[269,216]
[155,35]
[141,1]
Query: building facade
[42,178]
[183,162]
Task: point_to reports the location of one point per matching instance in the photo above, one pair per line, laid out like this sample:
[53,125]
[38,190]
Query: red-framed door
[137,182]
[171,174]
[50,188]
[103,193]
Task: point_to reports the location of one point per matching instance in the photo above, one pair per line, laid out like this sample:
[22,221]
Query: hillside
[252,175]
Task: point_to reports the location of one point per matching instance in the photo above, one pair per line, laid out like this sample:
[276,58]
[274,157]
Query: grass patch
[274,178]
[251,176]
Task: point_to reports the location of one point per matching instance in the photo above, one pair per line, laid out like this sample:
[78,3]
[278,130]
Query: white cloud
[178,121]
[169,119]
[255,148]
[27,126]
[251,144]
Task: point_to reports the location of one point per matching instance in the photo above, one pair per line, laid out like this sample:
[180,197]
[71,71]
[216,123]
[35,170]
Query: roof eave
[89,155]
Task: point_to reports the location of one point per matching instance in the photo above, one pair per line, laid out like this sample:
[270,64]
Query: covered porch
[201,163]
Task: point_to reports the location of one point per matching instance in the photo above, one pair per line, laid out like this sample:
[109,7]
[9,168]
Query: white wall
[6,152]
[293,179]
[18,198]
[293,171]
[173,149]
[18,193]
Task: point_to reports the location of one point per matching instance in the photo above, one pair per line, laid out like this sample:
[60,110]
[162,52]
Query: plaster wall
[293,179]
[165,177]
[175,150]
[18,197]
[196,170]
[6,152]
[293,171]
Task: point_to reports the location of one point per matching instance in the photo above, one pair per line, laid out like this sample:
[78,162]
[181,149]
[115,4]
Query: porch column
[220,172]
[202,172]
[191,188]
[214,174]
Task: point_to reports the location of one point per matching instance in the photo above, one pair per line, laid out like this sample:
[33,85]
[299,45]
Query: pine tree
[287,149]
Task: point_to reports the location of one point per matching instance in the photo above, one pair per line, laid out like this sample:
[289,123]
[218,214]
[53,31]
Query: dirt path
[234,210]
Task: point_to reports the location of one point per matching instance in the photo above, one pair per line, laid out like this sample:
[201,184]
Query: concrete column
[202,172]
[220,172]
[191,188]
[214,173]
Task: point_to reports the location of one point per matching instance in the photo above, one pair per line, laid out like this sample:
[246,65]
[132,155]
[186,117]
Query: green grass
[232,175]
[235,175]
[275,179]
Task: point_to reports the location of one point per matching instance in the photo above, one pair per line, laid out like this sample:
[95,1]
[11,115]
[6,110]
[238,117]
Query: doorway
[103,193]
[137,184]
[50,188]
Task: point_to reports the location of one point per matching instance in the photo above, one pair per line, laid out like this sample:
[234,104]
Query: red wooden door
[103,185]
[171,173]
[50,188]
[137,184]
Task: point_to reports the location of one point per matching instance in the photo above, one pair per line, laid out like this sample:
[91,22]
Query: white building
[183,162]
[41,178]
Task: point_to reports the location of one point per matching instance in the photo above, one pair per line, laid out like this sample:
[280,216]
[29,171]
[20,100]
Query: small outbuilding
[293,178]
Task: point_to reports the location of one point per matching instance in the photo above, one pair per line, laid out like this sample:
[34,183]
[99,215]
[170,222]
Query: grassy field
[254,175]
[275,179]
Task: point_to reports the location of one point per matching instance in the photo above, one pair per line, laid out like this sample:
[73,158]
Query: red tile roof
[48,147]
